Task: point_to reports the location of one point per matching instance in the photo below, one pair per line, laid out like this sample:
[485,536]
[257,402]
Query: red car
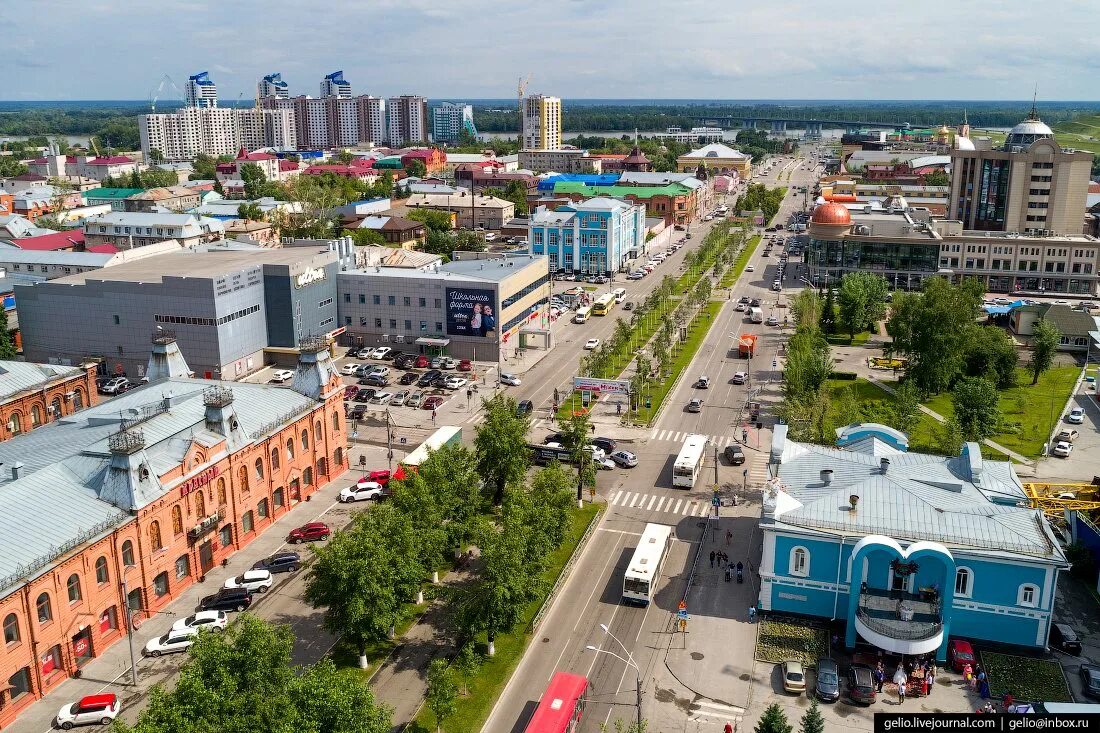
[421,362]
[379,477]
[960,654]
[465,366]
[432,403]
[350,391]
[309,533]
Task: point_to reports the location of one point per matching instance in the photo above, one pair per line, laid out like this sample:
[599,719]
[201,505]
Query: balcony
[899,622]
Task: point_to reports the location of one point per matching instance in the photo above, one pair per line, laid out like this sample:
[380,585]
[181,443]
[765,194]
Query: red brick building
[32,395]
[132,501]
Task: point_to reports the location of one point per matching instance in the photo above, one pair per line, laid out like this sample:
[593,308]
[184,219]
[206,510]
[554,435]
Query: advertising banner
[606,386]
[471,312]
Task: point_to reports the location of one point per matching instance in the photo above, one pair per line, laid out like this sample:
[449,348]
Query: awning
[429,341]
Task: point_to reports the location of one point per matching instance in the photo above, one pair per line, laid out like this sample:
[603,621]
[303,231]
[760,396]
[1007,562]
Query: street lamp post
[629,661]
[129,631]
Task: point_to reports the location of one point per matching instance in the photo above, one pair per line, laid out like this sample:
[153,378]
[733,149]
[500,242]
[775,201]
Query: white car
[379,371]
[382,398]
[173,641]
[362,491]
[281,375]
[213,620]
[414,399]
[448,363]
[750,268]
[399,398]
[1076,416]
[255,581]
[772,321]
[455,383]
[592,344]
[99,709]
[381,352]
[510,379]
[740,377]
[489,237]
[1062,449]
[349,370]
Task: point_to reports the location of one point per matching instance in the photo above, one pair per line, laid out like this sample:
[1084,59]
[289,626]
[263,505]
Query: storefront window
[225,535]
[108,620]
[51,660]
[183,567]
[277,497]
[261,508]
[160,585]
[246,522]
[19,684]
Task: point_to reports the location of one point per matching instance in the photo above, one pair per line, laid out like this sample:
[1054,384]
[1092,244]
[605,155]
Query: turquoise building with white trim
[907,549]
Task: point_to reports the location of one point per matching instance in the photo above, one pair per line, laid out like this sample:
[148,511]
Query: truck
[746,346]
[756,315]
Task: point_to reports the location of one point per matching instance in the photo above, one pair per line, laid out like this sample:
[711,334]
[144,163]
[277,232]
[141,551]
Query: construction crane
[521,89]
[1056,498]
[165,83]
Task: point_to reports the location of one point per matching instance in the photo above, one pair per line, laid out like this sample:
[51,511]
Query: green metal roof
[111,194]
[392,162]
[642,192]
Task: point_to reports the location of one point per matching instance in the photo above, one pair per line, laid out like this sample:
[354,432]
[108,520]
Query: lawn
[682,356]
[1028,414]
[843,339]
[344,655]
[1027,679]
[739,264]
[777,641]
[485,686]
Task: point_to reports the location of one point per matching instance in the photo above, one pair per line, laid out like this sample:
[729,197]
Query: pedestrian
[930,677]
[728,573]
[983,689]
[712,558]
[968,675]
[729,536]
[926,685]
[880,678]
[728,728]
[433,417]
[901,692]
[752,614]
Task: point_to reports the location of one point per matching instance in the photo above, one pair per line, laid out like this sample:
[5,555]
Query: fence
[565,572]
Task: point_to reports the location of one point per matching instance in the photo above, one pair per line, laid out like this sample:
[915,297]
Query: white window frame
[792,565]
[1034,602]
[968,592]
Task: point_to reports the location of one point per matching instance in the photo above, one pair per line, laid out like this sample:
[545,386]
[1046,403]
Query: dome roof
[831,213]
[963,143]
[1027,132]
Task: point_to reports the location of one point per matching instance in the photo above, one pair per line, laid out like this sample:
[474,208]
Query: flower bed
[778,641]
[1032,680]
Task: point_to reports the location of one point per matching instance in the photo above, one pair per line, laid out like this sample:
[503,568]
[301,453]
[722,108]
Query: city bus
[603,304]
[582,314]
[446,435]
[620,294]
[640,579]
[689,462]
[561,706]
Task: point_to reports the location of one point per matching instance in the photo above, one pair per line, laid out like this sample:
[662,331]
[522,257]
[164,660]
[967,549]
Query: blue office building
[589,179]
[907,549]
[597,236]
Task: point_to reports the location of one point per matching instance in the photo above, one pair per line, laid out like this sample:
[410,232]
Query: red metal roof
[103,249]
[288,165]
[558,703]
[112,160]
[51,242]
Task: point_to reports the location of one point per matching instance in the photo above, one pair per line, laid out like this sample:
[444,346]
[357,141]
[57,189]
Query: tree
[813,721]
[365,575]
[937,178]
[950,437]
[774,720]
[156,156]
[547,508]
[862,301]
[204,168]
[7,343]
[466,663]
[1045,338]
[977,412]
[441,691]
[991,353]
[453,483]
[828,314]
[809,363]
[10,167]
[435,221]
[575,439]
[806,307]
[344,157]
[365,237]
[135,180]
[847,407]
[906,407]
[331,700]
[254,180]
[416,168]
[516,192]
[250,212]
[501,445]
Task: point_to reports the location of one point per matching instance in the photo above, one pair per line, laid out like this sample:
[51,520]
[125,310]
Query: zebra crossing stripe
[689,508]
[677,509]
[615,498]
[626,499]
[653,434]
[652,501]
[661,503]
[637,500]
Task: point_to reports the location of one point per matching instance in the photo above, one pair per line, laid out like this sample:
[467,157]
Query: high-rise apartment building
[273,86]
[371,115]
[1031,184]
[450,120]
[407,119]
[183,134]
[334,85]
[201,91]
[541,123]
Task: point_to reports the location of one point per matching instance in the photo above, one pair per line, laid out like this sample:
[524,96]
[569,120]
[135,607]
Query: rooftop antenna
[1034,114]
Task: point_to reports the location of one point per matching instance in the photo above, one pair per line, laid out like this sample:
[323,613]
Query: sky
[625,49]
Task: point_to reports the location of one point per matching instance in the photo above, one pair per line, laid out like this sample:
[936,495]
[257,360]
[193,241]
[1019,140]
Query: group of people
[915,677]
[976,679]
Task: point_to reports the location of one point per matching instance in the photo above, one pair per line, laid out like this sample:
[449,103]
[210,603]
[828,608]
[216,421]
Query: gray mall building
[231,309]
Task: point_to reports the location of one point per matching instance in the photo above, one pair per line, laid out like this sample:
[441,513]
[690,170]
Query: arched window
[221,488]
[336,422]
[154,536]
[78,399]
[338,457]
[36,416]
[45,611]
[73,587]
[289,449]
[964,582]
[101,574]
[15,423]
[317,435]
[11,628]
[56,405]
[200,505]
[305,439]
[307,476]
[128,554]
[1028,595]
[800,562]
[274,459]
[242,481]
[322,467]
[177,520]
[260,469]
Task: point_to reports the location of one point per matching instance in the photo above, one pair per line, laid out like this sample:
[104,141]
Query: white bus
[640,579]
[582,314]
[446,435]
[689,462]
[620,294]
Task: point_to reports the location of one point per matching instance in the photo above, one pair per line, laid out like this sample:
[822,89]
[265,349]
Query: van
[756,315]
[620,294]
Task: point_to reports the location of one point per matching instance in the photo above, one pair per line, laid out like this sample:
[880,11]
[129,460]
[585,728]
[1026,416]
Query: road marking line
[619,531]
[689,508]
[626,499]
[661,435]
[652,499]
[638,501]
[615,498]
[653,434]
[677,509]
[661,503]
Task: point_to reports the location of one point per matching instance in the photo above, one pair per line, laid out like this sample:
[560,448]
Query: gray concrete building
[482,308]
[231,310]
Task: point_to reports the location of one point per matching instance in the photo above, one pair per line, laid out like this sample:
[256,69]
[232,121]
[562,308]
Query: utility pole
[389,442]
[129,632]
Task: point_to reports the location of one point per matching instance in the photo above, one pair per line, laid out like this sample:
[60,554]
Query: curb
[566,571]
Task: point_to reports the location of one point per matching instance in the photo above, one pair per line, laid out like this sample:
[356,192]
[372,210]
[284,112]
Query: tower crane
[165,83]
[521,89]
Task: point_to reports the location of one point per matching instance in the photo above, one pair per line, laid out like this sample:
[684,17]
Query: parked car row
[827,685]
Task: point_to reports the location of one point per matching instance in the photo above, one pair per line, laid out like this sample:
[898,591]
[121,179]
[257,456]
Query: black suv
[428,377]
[405,361]
[280,562]
[227,599]
[607,445]
[734,455]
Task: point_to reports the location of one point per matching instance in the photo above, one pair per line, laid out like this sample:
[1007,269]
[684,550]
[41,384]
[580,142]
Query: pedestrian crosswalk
[716,711]
[478,418]
[684,506]
[678,436]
